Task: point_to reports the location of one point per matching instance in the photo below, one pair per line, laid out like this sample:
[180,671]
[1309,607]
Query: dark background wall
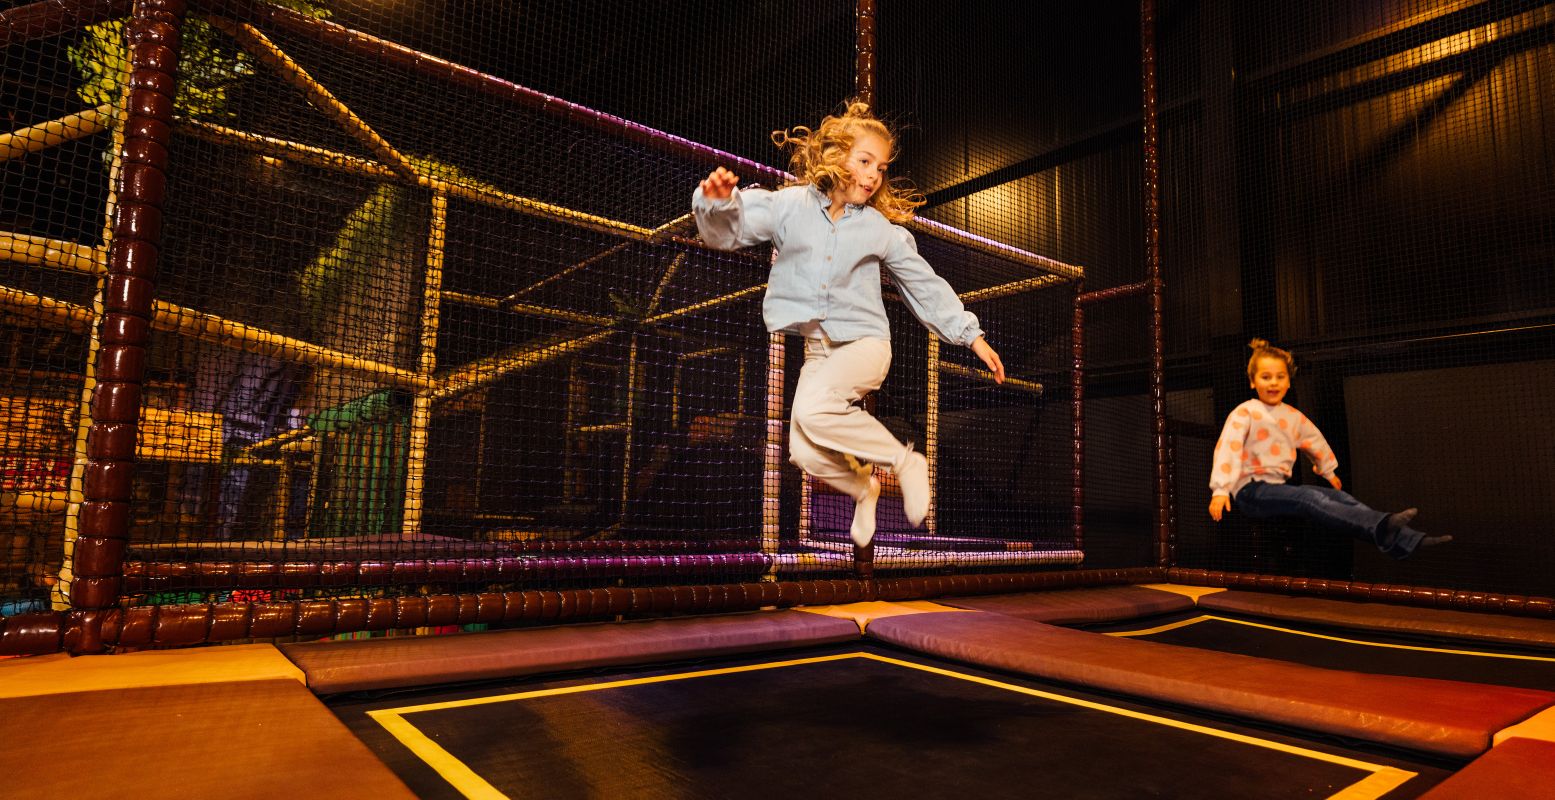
[1369,184]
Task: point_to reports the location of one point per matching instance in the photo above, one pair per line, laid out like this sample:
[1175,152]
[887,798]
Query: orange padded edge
[362,664]
[1078,606]
[1434,716]
[1384,617]
[1514,768]
[255,739]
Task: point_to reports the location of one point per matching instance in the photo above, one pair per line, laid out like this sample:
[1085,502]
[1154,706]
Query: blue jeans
[1329,508]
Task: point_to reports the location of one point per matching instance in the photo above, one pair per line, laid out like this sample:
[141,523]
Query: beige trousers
[830,437]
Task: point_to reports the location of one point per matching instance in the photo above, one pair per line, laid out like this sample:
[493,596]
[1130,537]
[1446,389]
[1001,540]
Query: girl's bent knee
[802,418]
[812,463]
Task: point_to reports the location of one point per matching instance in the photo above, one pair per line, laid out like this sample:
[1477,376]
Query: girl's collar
[825,200]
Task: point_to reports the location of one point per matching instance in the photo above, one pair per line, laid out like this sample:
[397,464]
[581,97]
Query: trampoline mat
[1357,651]
[848,722]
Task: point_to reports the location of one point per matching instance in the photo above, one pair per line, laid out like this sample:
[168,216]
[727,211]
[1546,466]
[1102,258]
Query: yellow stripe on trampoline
[1420,648]
[465,780]
[1375,785]
[1162,628]
[1382,779]
[594,687]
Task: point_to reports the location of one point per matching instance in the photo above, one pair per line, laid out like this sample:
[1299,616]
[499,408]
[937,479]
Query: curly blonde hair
[1262,349]
[820,156]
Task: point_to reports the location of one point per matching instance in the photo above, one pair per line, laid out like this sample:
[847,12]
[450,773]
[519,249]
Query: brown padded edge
[198,623]
[250,739]
[1434,716]
[1462,599]
[1078,606]
[357,665]
[1470,625]
[1515,768]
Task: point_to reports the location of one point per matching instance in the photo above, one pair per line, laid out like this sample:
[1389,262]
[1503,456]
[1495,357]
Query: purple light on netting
[373,46]
[603,119]
[335,34]
[1056,266]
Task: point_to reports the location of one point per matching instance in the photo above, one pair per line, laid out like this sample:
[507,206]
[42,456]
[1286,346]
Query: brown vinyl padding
[933,587]
[1366,591]
[357,665]
[1077,606]
[1516,768]
[262,739]
[1468,625]
[1434,716]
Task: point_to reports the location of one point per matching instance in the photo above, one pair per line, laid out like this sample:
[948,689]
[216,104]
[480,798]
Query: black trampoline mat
[1352,650]
[848,724]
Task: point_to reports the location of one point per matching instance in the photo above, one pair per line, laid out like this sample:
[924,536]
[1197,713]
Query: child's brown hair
[1262,349]
[819,156]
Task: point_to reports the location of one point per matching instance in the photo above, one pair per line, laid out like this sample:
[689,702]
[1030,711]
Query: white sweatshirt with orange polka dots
[1259,443]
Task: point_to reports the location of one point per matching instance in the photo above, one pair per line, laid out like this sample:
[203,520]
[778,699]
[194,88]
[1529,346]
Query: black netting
[53,215]
[431,314]
[1368,185]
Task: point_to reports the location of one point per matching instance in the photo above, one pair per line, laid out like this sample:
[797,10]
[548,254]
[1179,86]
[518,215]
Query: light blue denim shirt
[829,272]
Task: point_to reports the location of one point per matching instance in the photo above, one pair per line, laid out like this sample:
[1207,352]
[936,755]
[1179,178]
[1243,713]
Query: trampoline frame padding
[1380,617]
[1434,716]
[397,662]
[1078,606]
[243,739]
[1514,768]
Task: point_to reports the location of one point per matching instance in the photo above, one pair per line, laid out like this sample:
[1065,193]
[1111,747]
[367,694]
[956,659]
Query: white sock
[863,530]
[913,475]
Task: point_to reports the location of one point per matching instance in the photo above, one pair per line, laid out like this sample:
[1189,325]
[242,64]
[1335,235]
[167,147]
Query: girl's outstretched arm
[928,296]
[1310,441]
[1226,467]
[719,184]
[729,218]
[989,357]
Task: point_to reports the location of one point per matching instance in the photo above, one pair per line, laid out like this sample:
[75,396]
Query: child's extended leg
[827,428]
[1332,508]
[1396,538]
[840,472]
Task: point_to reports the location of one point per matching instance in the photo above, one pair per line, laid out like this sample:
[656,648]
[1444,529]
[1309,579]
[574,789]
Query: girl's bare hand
[719,184]
[989,357]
